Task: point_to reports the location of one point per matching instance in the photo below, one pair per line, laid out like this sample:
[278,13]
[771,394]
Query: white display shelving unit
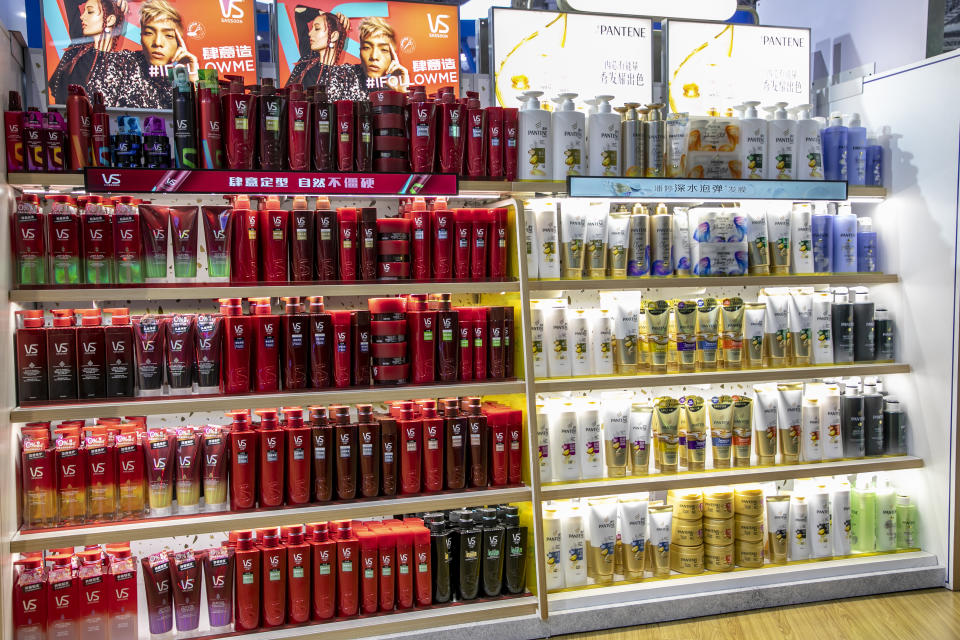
[536,614]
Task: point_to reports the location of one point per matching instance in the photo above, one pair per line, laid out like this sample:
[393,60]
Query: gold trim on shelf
[693,282]
[720,377]
[714,477]
[149,529]
[191,404]
[216,290]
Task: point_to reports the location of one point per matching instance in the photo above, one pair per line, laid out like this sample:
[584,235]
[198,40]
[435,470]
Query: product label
[275,575]
[412,446]
[346,566]
[247,578]
[344,451]
[298,572]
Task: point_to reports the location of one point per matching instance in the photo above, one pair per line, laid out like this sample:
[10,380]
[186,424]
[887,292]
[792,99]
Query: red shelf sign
[106,180]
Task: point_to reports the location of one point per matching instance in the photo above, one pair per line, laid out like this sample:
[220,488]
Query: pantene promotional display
[571,52]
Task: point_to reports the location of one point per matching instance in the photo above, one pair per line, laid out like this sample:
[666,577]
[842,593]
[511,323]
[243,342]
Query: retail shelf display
[899,379]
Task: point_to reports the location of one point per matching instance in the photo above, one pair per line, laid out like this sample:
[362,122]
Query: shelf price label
[100,180]
[695,190]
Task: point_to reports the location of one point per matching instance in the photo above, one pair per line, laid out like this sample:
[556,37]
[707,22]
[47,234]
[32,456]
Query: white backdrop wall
[915,109]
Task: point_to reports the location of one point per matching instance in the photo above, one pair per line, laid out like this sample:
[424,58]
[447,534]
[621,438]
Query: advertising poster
[586,54]
[124,48]
[355,48]
[715,65]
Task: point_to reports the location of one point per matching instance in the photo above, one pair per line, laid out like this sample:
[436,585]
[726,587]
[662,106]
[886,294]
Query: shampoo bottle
[833,139]
[866,246]
[845,241]
[781,143]
[655,133]
[856,151]
[753,149]
[534,139]
[568,152]
[604,139]
[633,145]
[809,155]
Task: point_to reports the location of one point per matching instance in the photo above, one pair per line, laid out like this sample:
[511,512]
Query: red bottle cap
[291,305]
[63,318]
[118,316]
[89,317]
[259,306]
[317,413]
[315,304]
[294,417]
[344,529]
[231,306]
[323,203]
[318,531]
[347,214]
[31,318]
[387,305]
[245,540]
[270,536]
[417,302]
[406,411]
[268,419]
[241,420]
[339,414]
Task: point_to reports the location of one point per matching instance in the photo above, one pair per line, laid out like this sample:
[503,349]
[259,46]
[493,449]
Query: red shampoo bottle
[433,445]
[421,330]
[511,147]
[324,565]
[245,249]
[495,142]
[272,458]
[420,243]
[298,576]
[369,557]
[410,430]
[272,231]
[463,238]
[80,123]
[442,240]
[266,354]
[321,344]
[238,346]
[302,241]
[13,130]
[299,456]
[327,234]
[248,581]
[480,243]
[346,132]
[274,579]
[347,229]
[295,352]
[341,351]
[298,128]
[348,559]
[243,461]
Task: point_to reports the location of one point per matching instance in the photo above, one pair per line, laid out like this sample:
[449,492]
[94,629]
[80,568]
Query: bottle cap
[339,414]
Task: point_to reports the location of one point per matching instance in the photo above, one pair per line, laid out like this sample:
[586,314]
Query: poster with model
[124,48]
[712,65]
[586,54]
[355,48]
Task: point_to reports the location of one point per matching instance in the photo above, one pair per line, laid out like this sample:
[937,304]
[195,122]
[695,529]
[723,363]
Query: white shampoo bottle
[809,158]
[753,146]
[568,152]
[535,141]
[604,139]
[781,146]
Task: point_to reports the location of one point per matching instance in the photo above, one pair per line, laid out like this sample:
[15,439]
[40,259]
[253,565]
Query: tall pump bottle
[834,139]
[184,119]
[655,132]
[809,153]
[856,151]
[781,146]
[753,147]
[604,139]
[535,139]
[633,144]
[568,150]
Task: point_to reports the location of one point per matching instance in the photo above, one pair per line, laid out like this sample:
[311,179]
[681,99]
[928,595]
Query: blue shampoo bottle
[833,139]
[867,256]
[845,241]
[856,151]
[821,229]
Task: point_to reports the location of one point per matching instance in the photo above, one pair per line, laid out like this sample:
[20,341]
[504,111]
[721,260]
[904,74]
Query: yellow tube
[721,430]
[686,315]
[666,417]
[742,430]
[657,316]
[696,439]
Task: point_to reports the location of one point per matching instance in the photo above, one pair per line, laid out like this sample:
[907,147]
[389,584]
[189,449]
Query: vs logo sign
[438,24]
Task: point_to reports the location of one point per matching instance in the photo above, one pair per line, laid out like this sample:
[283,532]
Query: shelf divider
[147,529]
[191,404]
[714,477]
[694,282]
[720,377]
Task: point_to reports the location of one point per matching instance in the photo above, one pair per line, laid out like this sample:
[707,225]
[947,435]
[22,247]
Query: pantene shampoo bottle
[655,132]
[535,146]
[753,149]
[604,139]
[633,147]
[834,140]
[568,150]
[809,155]
[781,146]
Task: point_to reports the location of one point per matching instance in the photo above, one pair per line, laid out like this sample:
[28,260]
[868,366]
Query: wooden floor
[931,614]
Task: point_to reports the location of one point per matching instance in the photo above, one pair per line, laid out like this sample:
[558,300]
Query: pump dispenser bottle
[809,154]
[655,132]
[834,141]
[753,147]
[856,151]
[633,144]
[534,138]
[568,151]
[781,143]
[604,139]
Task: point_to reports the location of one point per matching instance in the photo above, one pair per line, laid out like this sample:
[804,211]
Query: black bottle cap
[430,518]
[512,520]
[436,527]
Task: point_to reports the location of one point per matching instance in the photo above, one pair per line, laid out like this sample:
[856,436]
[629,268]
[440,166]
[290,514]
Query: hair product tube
[574,227]
[731,332]
[708,317]
[183,221]
[797,528]
[156,585]
[615,418]
[640,437]
[789,421]
[573,548]
[753,333]
[661,525]
[667,418]
[657,319]
[766,423]
[778,508]
[776,327]
[638,247]
[696,438]
[742,430]
[602,539]
[562,426]
[721,430]
[186,582]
